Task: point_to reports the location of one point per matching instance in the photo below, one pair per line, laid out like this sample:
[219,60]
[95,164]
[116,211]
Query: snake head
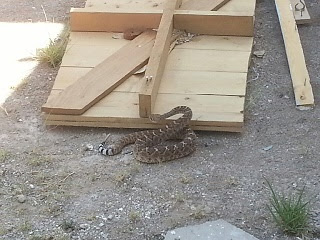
[155,118]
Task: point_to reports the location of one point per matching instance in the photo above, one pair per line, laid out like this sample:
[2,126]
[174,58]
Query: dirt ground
[52,187]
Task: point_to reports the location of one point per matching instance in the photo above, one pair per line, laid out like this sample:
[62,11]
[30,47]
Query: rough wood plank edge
[204,5]
[97,20]
[157,60]
[215,23]
[104,78]
[141,126]
[305,18]
[297,65]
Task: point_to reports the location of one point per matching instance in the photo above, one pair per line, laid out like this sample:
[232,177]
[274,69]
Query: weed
[185,179]
[134,216]
[180,197]
[4,155]
[25,226]
[121,177]
[3,231]
[68,225]
[53,53]
[38,160]
[199,213]
[291,213]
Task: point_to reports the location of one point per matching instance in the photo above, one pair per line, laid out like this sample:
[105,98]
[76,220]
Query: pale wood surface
[180,82]
[208,60]
[231,6]
[215,92]
[123,107]
[216,23]
[112,20]
[104,78]
[157,60]
[203,5]
[305,17]
[297,64]
[109,124]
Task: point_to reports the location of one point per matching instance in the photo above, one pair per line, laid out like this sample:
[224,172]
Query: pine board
[215,89]
[123,107]
[231,6]
[204,5]
[104,78]
[297,64]
[157,60]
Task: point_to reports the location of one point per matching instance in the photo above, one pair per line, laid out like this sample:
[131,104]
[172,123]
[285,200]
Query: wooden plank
[88,56]
[215,23]
[126,4]
[112,20]
[247,6]
[208,60]
[225,43]
[109,39]
[136,125]
[297,65]
[174,82]
[203,5]
[203,82]
[104,78]
[157,61]
[212,110]
[301,17]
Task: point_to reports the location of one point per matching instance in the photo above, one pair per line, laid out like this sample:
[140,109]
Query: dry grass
[53,53]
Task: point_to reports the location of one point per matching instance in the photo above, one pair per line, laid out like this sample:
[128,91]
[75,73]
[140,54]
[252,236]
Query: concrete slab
[215,230]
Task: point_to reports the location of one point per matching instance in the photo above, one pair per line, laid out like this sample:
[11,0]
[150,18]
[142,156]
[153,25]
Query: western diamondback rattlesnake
[146,143]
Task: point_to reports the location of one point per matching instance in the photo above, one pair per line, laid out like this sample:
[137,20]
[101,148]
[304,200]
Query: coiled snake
[150,146]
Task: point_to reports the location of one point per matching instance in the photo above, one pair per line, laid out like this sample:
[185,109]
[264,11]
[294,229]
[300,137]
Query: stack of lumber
[96,85]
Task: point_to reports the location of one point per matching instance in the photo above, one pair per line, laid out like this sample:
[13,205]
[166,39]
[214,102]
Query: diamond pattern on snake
[151,146]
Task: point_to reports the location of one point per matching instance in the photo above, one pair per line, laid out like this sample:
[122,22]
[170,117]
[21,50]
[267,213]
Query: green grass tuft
[291,213]
[53,53]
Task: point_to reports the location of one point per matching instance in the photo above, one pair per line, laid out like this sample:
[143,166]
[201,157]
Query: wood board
[157,60]
[216,92]
[103,78]
[297,64]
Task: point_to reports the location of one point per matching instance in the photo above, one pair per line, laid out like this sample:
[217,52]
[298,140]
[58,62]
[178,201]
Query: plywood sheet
[208,60]
[104,78]
[123,107]
[232,6]
[208,74]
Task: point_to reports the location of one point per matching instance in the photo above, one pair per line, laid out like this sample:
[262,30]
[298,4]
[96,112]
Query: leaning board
[207,74]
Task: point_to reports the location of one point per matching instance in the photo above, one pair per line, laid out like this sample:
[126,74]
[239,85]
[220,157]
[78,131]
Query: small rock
[20,120]
[110,217]
[259,54]
[21,198]
[84,226]
[88,147]
[101,224]
[267,148]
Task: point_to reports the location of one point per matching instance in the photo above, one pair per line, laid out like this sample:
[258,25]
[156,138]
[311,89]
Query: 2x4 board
[207,73]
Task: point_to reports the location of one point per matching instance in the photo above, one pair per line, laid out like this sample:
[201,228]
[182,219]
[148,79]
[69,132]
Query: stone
[215,230]
[21,198]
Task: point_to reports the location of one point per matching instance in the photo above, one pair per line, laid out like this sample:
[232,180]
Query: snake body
[151,146]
